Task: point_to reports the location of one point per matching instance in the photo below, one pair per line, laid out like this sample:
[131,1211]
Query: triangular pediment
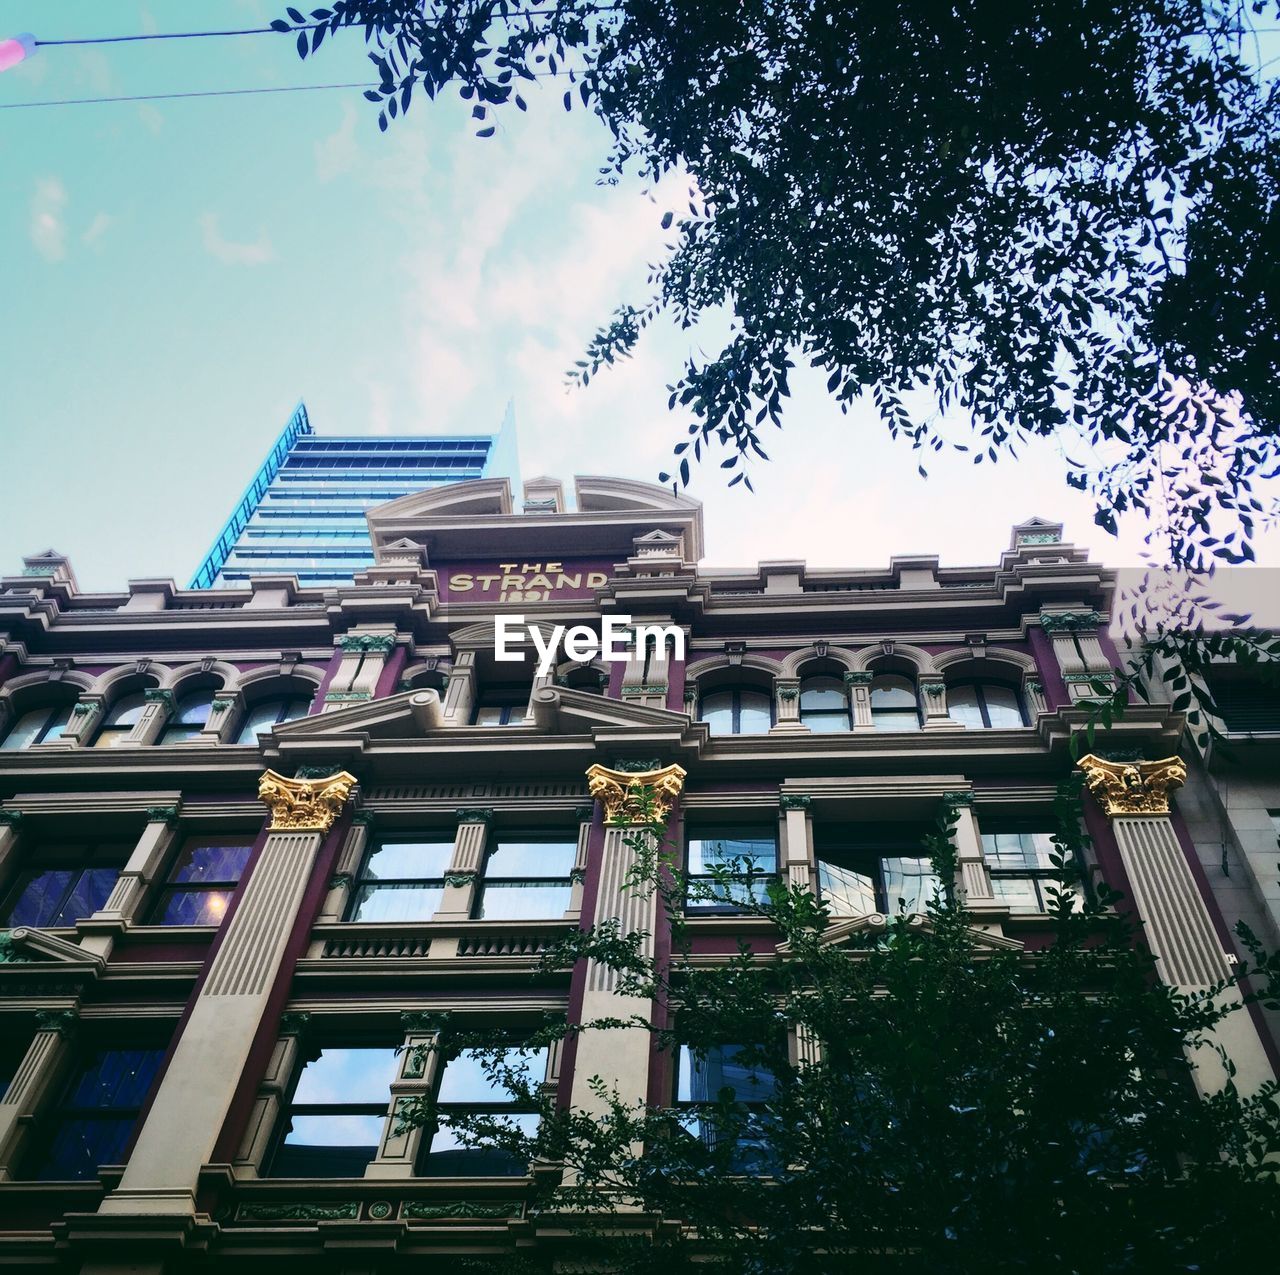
[24,947]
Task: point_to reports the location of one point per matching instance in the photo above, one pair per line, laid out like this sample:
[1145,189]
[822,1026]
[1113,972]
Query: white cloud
[97,227]
[48,219]
[230,253]
[152,118]
[338,153]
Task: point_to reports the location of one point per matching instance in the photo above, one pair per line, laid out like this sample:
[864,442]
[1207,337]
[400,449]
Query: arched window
[121,718]
[984,705]
[586,678]
[736,710]
[263,714]
[188,718]
[37,726]
[894,705]
[824,705]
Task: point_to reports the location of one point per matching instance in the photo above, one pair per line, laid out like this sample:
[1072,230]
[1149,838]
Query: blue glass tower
[303,512]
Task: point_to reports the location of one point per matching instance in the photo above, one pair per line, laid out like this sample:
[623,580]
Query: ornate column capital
[62,1021]
[162,696]
[860,678]
[167,815]
[305,805]
[360,642]
[636,796]
[1133,787]
[294,1022]
[794,801]
[1069,621]
[11,818]
[476,814]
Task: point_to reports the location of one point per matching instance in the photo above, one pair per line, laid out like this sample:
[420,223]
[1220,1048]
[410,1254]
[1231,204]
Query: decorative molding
[366,818]
[424,1022]
[1034,685]
[10,953]
[301,805]
[577,876]
[637,767]
[957,799]
[80,708]
[358,642]
[628,797]
[1133,788]
[13,818]
[476,814]
[302,1211]
[167,815]
[795,801]
[657,688]
[1069,621]
[293,1023]
[221,705]
[932,686]
[1037,538]
[380,1210]
[584,814]
[347,697]
[789,692]
[317,772]
[340,881]
[864,678]
[460,1209]
[459,879]
[62,1021]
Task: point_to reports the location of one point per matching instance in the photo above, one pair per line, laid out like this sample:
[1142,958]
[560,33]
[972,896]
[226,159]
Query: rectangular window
[63,882]
[401,881]
[202,881]
[875,869]
[702,1079]
[92,1124]
[527,877]
[466,1089]
[1023,872]
[334,1124]
[749,855]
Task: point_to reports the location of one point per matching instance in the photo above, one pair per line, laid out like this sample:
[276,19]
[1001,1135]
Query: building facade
[250,852]
[303,512]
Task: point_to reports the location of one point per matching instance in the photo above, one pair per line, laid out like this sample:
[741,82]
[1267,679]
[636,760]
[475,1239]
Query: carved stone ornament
[794,801]
[862,678]
[305,805]
[636,796]
[1133,788]
[1069,621]
[353,642]
[162,814]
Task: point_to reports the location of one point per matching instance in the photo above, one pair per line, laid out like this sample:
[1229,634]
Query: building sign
[541,581]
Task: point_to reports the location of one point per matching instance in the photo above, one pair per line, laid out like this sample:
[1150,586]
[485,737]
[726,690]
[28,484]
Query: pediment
[847,930]
[28,947]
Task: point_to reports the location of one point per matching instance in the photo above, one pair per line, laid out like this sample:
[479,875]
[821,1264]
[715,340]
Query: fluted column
[270,1101]
[364,655]
[460,694]
[797,844]
[973,875]
[1080,656]
[786,704]
[225,713]
[859,687]
[469,846]
[160,706]
[86,714]
[633,803]
[415,1079]
[42,1069]
[1179,930]
[578,875]
[933,697]
[200,1081]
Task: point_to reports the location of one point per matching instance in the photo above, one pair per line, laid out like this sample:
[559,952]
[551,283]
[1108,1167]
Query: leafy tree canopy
[998,220]
[915,1099]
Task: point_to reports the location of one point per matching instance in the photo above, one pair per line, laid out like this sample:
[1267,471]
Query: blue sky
[177,274]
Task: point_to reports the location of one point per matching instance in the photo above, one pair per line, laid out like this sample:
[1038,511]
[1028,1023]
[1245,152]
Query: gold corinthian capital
[1133,787]
[305,805]
[644,796]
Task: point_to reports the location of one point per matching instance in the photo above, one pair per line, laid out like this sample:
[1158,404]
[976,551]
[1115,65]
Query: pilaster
[1081,659]
[578,875]
[933,699]
[362,659]
[973,875]
[160,706]
[269,1103]
[460,694]
[10,836]
[225,714]
[419,1065]
[1176,922]
[42,1069]
[858,686]
[786,705]
[797,840]
[470,844]
[86,713]
[199,1083]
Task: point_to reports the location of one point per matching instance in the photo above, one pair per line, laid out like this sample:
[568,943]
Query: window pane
[722,1067]
[328,1146]
[717,711]
[757,851]
[88,894]
[258,718]
[193,710]
[846,892]
[193,907]
[756,714]
[1003,707]
[512,858]
[179,734]
[823,692]
[464,1079]
[39,897]
[892,690]
[396,902]
[1017,893]
[126,711]
[214,863]
[962,706]
[36,727]
[449,1158]
[116,1078]
[519,901]
[78,1145]
[349,1074]
[909,882]
[409,860]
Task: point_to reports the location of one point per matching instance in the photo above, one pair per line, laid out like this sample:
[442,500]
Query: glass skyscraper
[303,512]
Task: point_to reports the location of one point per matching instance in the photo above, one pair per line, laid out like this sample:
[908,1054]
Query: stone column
[786,705]
[199,1084]
[859,687]
[973,876]
[160,706]
[345,872]
[646,683]
[10,834]
[86,713]
[1175,918]
[225,714]
[634,802]
[469,846]
[42,1070]
[398,1151]
[797,841]
[1033,693]
[578,875]
[460,694]
[933,697]
[1079,653]
[127,897]
[268,1105]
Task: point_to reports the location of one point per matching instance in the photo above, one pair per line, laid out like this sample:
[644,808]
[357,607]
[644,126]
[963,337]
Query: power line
[173,35]
[163,97]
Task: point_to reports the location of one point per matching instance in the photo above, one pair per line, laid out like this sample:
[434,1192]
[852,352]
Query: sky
[178,274]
